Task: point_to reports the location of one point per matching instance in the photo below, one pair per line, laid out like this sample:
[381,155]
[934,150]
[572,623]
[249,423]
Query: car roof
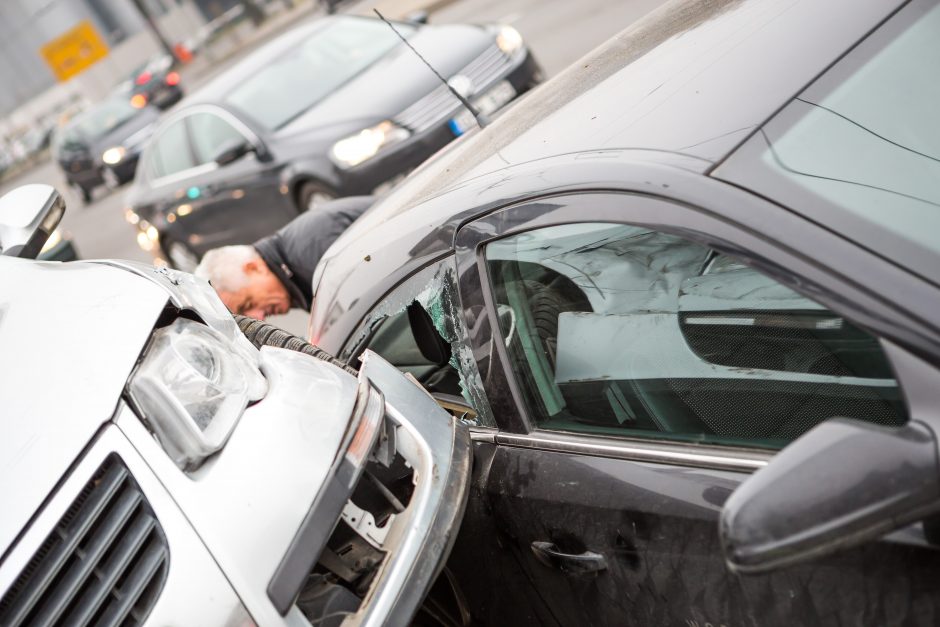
[694,77]
[687,84]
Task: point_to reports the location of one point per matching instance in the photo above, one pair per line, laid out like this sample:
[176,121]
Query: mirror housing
[418,17]
[842,484]
[28,216]
[233,151]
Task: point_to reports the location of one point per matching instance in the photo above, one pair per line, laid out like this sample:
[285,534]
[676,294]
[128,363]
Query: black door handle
[569,563]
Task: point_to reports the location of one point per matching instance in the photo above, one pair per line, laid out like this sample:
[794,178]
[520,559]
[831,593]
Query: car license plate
[490,102]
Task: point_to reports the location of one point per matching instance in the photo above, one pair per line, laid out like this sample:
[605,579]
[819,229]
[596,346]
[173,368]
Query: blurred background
[69,68]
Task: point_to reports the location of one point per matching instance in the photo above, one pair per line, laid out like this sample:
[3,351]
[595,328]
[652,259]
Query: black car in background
[101,145]
[688,292]
[335,107]
[156,82]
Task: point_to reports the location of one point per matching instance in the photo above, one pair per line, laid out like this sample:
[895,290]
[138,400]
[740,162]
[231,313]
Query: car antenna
[481,119]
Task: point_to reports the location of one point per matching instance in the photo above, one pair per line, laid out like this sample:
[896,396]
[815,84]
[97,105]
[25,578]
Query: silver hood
[69,336]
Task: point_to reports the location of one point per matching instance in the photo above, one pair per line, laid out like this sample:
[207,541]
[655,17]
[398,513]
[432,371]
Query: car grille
[441,104]
[103,564]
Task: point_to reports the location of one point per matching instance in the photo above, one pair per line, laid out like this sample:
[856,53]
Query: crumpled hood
[70,334]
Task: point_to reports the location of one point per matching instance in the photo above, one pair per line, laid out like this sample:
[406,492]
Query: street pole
[153,27]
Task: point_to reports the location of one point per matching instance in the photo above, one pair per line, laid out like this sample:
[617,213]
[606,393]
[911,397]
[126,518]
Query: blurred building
[26,25]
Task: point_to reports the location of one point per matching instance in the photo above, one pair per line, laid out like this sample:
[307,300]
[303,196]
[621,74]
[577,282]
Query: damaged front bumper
[393,419]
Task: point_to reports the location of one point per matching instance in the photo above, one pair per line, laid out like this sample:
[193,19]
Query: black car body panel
[677,102]
[572,527]
[296,151]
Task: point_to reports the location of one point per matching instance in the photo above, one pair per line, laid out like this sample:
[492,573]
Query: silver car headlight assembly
[191,388]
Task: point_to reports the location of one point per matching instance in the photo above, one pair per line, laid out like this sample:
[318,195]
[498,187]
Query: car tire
[111,180]
[181,256]
[82,192]
[546,302]
[311,195]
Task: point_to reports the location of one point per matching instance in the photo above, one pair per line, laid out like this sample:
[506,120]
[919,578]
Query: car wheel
[313,195]
[81,192]
[182,256]
[546,302]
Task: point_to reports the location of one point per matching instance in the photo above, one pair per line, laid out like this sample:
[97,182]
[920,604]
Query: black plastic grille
[103,564]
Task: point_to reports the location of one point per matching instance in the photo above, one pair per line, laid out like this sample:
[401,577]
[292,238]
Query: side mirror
[417,17]
[28,216]
[842,484]
[233,151]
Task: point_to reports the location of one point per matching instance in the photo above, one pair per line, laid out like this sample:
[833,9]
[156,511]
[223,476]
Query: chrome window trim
[210,166]
[642,450]
[479,433]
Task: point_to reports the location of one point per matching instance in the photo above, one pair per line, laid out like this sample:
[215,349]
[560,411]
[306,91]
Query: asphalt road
[557,31]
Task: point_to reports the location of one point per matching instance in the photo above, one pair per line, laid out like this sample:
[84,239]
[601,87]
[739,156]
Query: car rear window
[310,71]
[859,150]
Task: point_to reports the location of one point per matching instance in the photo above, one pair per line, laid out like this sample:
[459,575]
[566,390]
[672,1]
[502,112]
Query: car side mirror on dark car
[233,151]
[418,17]
[842,484]
[28,216]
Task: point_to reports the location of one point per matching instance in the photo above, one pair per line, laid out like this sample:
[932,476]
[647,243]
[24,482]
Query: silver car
[159,469]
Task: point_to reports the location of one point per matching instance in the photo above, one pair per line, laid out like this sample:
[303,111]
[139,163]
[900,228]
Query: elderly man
[276,273]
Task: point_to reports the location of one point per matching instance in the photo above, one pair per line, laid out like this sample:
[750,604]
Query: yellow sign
[74,51]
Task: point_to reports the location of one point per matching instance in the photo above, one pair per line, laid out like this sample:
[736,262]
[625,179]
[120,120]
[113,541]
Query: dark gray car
[101,145]
[695,279]
[335,107]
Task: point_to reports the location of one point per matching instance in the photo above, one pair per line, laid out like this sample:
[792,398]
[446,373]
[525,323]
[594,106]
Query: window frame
[371,322]
[203,168]
[792,265]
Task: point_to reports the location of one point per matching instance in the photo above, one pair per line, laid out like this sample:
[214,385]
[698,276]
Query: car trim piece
[654,451]
[325,511]
[483,434]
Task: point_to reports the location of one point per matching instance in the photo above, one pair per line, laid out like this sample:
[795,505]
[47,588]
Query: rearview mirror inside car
[840,485]
[28,216]
[233,151]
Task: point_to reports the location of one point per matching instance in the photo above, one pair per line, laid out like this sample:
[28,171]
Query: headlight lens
[113,155]
[508,39]
[366,143]
[192,388]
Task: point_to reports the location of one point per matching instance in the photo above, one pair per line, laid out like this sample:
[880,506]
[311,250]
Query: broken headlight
[191,388]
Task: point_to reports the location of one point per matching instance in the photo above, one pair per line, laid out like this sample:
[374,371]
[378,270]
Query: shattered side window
[615,329]
[419,328]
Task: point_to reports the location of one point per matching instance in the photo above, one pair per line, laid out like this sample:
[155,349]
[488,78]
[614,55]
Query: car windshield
[307,73]
[103,119]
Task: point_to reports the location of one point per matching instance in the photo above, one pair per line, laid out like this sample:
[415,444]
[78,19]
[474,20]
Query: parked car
[651,286]
[161,470]
[101,145]
[156,82]
[335,107]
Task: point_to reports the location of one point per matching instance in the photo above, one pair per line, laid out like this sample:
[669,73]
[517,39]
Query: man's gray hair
[223,267]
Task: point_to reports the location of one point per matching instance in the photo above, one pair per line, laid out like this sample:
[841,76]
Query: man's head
[244,282]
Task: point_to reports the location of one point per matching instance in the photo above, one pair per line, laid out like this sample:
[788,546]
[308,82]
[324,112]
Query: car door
[646,357]
[239,201]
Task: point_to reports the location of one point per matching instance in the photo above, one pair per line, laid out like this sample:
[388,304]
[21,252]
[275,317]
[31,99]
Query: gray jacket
[294,251]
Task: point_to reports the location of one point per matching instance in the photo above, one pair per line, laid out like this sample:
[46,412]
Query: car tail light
[143,78]
[173,78]
[138,101]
